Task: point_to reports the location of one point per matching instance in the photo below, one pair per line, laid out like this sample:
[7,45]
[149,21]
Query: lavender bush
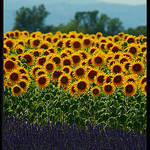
[21,135]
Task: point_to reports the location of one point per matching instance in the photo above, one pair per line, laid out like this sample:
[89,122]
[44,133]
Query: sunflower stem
[61,99]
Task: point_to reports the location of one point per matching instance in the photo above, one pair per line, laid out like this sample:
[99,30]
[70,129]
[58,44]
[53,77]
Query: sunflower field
[75,77]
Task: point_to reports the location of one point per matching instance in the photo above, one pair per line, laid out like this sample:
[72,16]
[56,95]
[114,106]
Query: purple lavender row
[19,135]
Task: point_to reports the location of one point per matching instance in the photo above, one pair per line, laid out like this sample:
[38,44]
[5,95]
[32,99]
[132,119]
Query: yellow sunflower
[144,88]
[23,84]
[40,72]
[98,60]
[118,79]
[6,49]
[9,43]
[117,68]
[9,65]
[42,81]
[87,42]
[76,44]
[16,90]
[99,79]
[34,69]
[137,67]
[108,88]
[76,58]
[35,42]
[56,74]
[64,80]
[41,60]
[14,76]
[81,86]
[49,66]
[79,72]
[129,88]
[20,49]
[44,45]
[29,58]
[95,91]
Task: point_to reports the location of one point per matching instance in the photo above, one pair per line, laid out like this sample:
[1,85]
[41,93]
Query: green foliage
[42,106]
[30,19]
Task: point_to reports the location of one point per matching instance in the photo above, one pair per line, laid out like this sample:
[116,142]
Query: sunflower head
[14,76]
[29,58]
[137,67]
[130,89]
[76,44]
[118,79]
[108,88]
[81,86]
[16,90]
[42,81]
[95,91]
[64,80]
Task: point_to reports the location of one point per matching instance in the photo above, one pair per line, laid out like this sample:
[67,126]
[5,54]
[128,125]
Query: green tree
[140,30]
[114,26]
[87,19]
[102,24]
[30,19]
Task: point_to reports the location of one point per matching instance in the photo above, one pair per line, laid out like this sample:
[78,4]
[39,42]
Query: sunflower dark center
[64,80]
[42,80]
[57,74]
[76,59]
[98,60]
[80,71]
[42,61]
[67,62]
[123,60]
[127,66]
[17,89]
[109,45]
[60,44]
[115,49]
[96,91]
[81,85]
[137,67]
[117,79]
[28,58]
[66,70]
[36,42]
[100,79]
[132,50]
[9,65]
[130,40]
[56,60]
[108,88]
[49,66]
[76,44]
[44,46]
[92,74]
[68,44]
[87,42]
[22,84]
[131,80]
[117,69]
[9,43]
[144,80]
[14,76]
[108,79]
[129,88]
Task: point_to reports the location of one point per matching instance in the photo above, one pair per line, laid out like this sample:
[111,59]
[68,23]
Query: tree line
[86,22]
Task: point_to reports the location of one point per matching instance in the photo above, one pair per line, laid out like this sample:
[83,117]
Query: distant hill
[63,12]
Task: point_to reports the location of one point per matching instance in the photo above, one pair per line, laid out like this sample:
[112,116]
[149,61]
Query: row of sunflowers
[75,61]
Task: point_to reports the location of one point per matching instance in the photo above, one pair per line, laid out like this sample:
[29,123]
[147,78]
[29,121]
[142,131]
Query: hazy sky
[27,2]
[129,2]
